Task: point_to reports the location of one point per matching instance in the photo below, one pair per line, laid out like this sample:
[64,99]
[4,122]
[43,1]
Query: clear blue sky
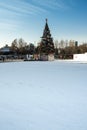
[67,19]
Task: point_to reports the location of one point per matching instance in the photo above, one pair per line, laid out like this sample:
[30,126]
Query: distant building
[63,44]
[76,43]
[46,44]
[5,50]
[80,57]
[73,43]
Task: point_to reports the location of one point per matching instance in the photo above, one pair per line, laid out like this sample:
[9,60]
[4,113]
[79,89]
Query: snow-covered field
[43,96]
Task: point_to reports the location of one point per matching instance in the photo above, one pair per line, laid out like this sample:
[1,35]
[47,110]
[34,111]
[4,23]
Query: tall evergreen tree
[46,45]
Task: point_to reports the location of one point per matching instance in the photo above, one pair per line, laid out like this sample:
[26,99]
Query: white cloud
[20,7]
[52,4]
[12,13]
[55,4]
[8,25]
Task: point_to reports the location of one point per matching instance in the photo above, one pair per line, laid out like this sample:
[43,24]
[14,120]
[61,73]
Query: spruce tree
[46,45]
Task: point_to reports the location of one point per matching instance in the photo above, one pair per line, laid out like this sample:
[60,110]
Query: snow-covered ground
[43,96]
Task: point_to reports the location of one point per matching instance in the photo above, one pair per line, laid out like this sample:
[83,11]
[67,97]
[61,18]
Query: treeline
[20,47]
[67,52]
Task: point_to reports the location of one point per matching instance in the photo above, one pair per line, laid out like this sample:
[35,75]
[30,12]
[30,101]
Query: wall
[80,57]
[51,57]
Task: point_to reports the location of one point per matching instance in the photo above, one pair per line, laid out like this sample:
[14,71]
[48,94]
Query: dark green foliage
[46,45]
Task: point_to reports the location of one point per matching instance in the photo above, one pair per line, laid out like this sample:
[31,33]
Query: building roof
[5,49]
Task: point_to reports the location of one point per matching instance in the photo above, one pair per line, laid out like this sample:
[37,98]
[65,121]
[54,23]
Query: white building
[80,57]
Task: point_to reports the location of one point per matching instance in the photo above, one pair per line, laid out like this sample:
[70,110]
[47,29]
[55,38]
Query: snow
[43,96]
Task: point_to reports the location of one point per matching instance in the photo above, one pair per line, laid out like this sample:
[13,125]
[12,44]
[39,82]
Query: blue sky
[67,20]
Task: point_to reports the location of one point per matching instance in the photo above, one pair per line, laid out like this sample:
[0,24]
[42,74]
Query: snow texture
[43,96]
